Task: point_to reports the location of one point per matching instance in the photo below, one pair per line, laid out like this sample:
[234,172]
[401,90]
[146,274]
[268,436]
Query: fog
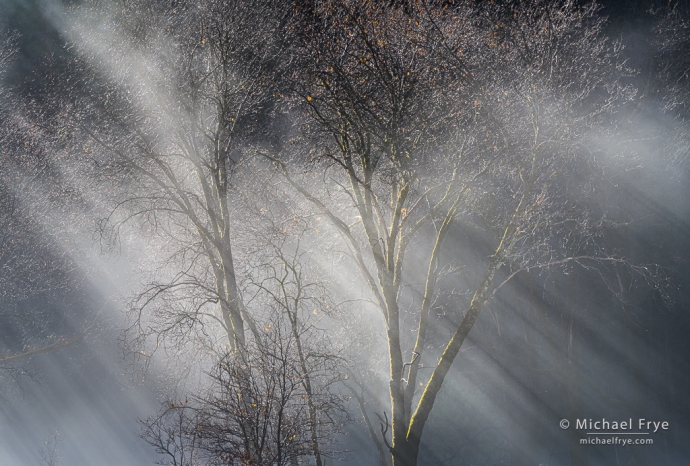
[113,309]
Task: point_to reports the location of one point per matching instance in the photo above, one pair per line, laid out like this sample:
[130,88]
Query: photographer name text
[605,425]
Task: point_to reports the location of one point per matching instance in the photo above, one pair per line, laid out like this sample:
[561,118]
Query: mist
[384,233]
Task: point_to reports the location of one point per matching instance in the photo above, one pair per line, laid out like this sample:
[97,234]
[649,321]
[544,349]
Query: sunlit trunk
[479,299]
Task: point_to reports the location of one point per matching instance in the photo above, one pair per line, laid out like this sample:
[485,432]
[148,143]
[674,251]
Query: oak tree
[427,119]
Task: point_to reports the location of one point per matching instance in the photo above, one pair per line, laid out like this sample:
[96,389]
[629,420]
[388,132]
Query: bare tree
[284,279]
[173,433]
[427,117]
[255,412]
[176,91]
[414,122]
